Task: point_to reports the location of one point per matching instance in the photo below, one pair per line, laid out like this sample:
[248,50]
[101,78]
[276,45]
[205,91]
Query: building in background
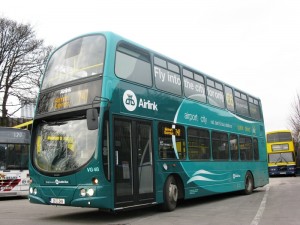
[22,116]
[27,110]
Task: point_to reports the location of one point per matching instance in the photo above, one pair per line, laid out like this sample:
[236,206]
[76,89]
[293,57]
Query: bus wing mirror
[92,119]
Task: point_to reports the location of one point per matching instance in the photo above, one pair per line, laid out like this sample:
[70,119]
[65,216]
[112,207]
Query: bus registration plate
[58,201]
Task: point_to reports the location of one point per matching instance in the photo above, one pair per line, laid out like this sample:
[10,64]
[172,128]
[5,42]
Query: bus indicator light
[95,181]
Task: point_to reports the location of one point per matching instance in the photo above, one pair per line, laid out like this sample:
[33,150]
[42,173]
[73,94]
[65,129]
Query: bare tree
[294,119]
[22,58]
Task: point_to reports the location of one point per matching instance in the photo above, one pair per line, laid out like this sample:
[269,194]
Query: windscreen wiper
[283,158]
[64,121]
[279,158]
[57,123]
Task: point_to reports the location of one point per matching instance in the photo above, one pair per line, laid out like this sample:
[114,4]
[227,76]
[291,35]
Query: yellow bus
[281,153]
[25,126]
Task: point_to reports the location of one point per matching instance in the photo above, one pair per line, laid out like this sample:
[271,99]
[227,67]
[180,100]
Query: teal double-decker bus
[119,126]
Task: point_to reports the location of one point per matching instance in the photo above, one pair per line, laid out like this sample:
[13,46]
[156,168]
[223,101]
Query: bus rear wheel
[170,194]
[249,183]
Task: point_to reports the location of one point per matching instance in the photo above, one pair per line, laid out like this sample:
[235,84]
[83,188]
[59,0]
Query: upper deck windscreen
[279,137]
[77,59]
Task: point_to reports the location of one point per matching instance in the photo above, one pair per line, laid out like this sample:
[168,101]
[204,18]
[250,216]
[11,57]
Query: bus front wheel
[249,183]
[170,194]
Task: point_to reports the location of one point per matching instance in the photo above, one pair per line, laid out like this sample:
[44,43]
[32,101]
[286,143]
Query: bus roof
[279,131]
[117,37]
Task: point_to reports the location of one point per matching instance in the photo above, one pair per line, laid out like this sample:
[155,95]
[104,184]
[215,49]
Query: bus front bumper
[282,170]
[80,196]
[91,202]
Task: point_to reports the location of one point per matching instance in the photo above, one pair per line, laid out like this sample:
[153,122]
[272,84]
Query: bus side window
[246,152]
[234,151]
[220,146]
[241,103]
[255,149]
[133,65]
[215,94]
[166,149]
[2,156]
[198,140]
[229,98]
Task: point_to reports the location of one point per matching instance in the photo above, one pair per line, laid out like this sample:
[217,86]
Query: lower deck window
[220,145]
[246,152]
[198,140]
[234,150]
[171,141]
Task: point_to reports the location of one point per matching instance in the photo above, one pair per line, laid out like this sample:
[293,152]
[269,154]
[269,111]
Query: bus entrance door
[134,183]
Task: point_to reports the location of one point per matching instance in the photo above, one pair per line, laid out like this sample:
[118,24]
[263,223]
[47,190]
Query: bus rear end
[281,153]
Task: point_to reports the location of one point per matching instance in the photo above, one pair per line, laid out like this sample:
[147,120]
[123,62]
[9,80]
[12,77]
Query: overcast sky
[253,45]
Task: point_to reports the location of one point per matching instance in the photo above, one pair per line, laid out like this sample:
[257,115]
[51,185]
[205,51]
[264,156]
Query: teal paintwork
[199,178]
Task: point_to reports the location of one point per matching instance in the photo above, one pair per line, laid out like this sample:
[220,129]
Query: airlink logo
[131,103]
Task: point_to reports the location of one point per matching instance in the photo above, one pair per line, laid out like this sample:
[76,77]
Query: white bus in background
[14,153]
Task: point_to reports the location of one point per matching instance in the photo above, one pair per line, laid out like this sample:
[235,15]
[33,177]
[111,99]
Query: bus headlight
[83,192]
[87,192]
[90,192]
[33,191]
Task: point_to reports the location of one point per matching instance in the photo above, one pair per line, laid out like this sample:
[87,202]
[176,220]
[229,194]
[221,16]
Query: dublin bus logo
[129,100]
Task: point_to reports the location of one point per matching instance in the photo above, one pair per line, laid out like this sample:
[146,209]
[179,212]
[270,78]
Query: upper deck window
[279,137]
[254,108]
[194,86]
[215,93]
[82,57]
[167,76]
[241,103]
[133,65]
[229,98]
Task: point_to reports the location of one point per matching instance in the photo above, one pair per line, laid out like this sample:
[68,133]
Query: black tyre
[249,183]
[170,194]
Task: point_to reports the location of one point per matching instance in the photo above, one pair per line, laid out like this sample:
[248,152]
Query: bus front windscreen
[281,157]
[63,146]
[80,58]
[14,156]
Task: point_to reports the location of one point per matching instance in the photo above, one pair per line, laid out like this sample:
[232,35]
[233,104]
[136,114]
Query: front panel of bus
[65,166]
[14,150]
[281,154]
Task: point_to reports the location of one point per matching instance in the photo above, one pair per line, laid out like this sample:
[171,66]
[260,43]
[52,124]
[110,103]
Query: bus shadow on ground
[96,216]
[131,216]
[12,198]
[218,198]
